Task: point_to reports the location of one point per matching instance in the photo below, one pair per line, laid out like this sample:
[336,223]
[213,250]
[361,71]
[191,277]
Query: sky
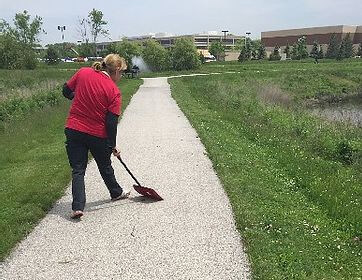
[142,17]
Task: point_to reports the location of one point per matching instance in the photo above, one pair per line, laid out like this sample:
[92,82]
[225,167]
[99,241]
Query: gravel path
[189,235]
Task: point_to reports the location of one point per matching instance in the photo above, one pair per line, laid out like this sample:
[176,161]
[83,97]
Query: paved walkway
[189,235]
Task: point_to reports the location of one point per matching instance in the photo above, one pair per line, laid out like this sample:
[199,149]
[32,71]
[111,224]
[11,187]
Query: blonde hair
[110,63]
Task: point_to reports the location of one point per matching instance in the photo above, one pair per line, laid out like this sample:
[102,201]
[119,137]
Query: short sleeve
[72,83]
[116,103]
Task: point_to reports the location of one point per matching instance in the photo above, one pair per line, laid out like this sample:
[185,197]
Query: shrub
[184,55]
[155,56]
[16,55]
[52,56]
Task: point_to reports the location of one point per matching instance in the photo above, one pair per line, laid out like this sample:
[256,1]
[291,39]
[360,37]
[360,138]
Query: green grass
[34,169]
[294,182]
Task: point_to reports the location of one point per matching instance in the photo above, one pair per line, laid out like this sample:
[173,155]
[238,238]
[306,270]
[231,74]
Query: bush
[155,56]
[184,55]
[16,55]
[52,56]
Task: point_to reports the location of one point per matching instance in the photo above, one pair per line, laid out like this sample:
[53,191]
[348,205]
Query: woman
[92,125]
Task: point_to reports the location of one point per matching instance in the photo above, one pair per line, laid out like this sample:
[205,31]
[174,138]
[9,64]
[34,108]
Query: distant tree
[155,56]
[315,50]
[97,24]
[86,49]
[320,52]
[243,56]
[294,53]
[287,50]
[202,58]
[26,31]
[275,55]
[261,52]
[348,46]
[128,50]
[18,41]
[333,47]
[217,49]
[184,55]
[359,52]
[302,47]
[52,55]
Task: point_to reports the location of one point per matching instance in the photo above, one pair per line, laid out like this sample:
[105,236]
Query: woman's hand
[116,151]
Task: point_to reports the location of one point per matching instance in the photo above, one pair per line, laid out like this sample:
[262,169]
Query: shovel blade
[148,192]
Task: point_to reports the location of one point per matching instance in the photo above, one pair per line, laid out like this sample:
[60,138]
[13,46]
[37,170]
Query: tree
[333,47]
[348,46]
[359,52]
[294,52]
[17,42]
[261,52]
[97,24]
[128,50]
[315,50]
[275,55]
[243,56]
[155,56]
[184,55]
[217,49]
[320,52]
[287,50]
[52,55]
[302,47]
[26,31]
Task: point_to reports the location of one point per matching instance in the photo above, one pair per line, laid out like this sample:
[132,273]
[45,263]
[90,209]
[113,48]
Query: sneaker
[123,195]
[76,214]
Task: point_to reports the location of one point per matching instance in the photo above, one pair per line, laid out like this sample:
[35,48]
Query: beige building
[321,35]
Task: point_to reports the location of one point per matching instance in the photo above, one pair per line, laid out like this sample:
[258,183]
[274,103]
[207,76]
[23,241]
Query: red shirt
[95,94]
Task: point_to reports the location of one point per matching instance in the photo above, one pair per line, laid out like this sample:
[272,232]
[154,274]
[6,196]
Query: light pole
[62,28]
[247,34]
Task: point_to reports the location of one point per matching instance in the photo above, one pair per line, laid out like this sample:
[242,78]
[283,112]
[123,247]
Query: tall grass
[294,182]
[34,169]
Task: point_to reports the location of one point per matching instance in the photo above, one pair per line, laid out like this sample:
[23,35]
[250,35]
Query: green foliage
[52,55]
[261,54]
[244,54]
[275,56]
[155,56]
[97,24]
[217,49]
[16,43]
[287,50]
[16,55]
[333,47]
[346,48]
[86,49]
[184,55]
[127,50]
[26,31]
[320,53]
[315,50]
[64,49]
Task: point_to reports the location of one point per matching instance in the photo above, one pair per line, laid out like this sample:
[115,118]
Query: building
[202,41]
[322,35]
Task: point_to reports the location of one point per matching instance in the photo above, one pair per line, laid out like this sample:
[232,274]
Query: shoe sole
[77,216]
[122,196]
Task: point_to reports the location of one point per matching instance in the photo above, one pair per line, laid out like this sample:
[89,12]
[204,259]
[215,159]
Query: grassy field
[34,170]
[294,180]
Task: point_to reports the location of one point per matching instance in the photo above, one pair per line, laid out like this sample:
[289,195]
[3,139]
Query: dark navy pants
[77,145]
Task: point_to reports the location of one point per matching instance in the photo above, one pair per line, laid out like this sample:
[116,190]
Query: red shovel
[148,192]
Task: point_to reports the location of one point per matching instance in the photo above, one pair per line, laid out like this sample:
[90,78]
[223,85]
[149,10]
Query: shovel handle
[129,171]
